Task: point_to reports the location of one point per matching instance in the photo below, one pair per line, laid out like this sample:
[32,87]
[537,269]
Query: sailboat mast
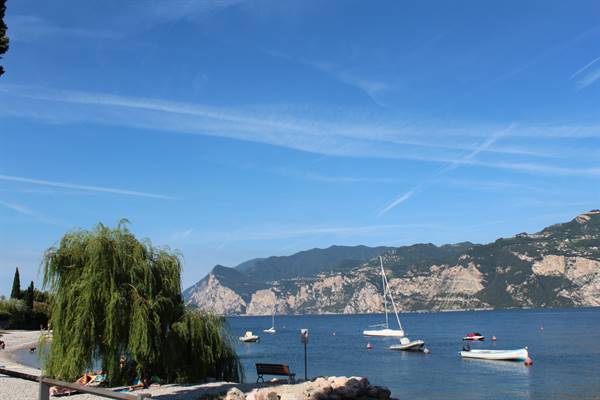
[387,324]
[392,299]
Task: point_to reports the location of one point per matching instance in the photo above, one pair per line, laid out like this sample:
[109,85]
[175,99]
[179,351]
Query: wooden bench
[273,369]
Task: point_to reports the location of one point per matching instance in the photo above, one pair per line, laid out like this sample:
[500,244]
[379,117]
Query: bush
[16,315]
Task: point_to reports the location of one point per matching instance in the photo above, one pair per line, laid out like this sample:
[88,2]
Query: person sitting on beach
[2,345]
[143,384]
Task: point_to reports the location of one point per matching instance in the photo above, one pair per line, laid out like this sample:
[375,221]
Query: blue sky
[239,129]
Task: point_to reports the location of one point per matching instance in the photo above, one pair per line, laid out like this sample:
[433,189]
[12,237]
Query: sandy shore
[324,388]
[19,389]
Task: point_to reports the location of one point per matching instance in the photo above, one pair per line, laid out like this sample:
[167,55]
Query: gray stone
[235,394]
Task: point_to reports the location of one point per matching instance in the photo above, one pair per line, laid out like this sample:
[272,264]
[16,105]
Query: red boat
[474,336]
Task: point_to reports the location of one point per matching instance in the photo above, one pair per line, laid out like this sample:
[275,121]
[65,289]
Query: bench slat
[273,369]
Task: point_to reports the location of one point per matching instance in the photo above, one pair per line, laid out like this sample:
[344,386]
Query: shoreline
[20,389]
[484,309]
[17,340]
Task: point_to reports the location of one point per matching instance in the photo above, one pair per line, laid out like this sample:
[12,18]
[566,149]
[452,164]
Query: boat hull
[270,330]
[499,355]
[249,339]
[416,345]
[474,338]
[384,332]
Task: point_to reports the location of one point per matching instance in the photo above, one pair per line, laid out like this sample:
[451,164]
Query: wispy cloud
[316,177]
[401,199]
[18,208]
[452,165]
[27,28]
[90,188]
[491,185]
[344,134]
[589,76]
[371,87]
[36,216]
[279,232]
[181,235]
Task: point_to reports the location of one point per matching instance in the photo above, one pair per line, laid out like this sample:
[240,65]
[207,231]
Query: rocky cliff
[556,267]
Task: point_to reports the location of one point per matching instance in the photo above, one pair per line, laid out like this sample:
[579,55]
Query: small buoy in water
[426,350]
[493,338]
[541,327]
[528,361]
[333,333]
[369,347]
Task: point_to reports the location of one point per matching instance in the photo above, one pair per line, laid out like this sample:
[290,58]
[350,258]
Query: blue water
[566,353]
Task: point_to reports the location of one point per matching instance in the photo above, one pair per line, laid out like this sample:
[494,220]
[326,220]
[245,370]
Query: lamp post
[304,339]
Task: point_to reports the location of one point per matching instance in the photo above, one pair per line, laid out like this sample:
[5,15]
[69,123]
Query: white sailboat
[272,328]
[386,332]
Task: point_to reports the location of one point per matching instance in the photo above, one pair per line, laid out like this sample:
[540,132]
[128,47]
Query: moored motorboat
[249,337]
[474,336]
[409,345]
[500,355]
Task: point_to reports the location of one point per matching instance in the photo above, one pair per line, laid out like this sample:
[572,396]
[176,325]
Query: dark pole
[305,363]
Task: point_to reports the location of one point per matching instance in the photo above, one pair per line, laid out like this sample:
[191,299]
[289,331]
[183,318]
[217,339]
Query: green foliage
[28,297]
[114,296]
[40,296]
[16,286]
[3,37]
[200,336]
[15,314]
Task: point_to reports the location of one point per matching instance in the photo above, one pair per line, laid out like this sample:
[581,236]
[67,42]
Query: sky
[230,130]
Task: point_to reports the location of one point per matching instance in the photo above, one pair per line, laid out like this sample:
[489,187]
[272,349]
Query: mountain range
[556,267]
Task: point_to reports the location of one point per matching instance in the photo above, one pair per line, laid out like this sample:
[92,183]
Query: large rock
[332,388]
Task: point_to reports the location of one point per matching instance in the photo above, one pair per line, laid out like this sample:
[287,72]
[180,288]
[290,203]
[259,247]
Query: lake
[566,352]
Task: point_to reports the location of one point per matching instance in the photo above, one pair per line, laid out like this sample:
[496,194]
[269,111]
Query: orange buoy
[493,338]
[528,362]
[369,347]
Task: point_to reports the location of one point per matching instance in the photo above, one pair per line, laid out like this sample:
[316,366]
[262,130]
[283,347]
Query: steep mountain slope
[558,266]
[310,262]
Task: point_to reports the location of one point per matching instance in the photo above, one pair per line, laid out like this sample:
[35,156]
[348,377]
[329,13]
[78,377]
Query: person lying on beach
[61,391]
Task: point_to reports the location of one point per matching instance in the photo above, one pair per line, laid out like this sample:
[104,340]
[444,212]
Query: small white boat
[409,345]
[501,355]
[272,328]
[249,337]
[386,332]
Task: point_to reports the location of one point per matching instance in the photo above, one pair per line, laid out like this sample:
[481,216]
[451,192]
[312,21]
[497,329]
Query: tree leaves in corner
[3,37]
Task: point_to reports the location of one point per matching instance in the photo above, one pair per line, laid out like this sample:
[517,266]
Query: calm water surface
[566,353]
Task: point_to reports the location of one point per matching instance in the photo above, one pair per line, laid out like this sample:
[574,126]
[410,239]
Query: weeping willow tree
[117,304]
